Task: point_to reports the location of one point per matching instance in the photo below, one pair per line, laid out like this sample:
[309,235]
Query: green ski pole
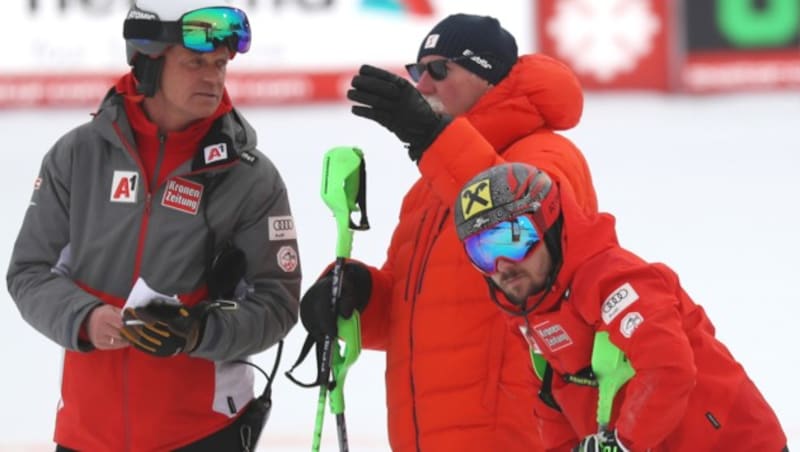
[612,369]
[343,188]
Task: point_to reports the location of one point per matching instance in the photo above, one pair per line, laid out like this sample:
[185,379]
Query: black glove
[601,442]
[165,329]
[316,312]
[394,103]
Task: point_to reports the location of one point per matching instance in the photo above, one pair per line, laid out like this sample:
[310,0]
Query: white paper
[142,294]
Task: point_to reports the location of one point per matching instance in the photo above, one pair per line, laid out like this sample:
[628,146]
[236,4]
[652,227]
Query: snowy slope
[706,184]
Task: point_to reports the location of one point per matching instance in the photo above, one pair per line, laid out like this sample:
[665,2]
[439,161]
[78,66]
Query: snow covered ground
[708,185]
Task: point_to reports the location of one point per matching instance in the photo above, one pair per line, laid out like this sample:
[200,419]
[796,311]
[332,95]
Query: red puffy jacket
[457,377]
[688,392]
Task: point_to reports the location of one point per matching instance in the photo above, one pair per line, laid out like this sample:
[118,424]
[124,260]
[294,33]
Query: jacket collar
[583,237]
[116,112]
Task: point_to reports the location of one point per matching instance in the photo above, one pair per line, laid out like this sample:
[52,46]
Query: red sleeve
[657,396]
[375,318]
[457,154]
[646,324]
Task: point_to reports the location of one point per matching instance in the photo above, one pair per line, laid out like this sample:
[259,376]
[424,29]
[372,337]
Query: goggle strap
[169,31]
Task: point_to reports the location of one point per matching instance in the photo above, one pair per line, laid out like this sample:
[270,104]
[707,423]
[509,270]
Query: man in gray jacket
[159,248]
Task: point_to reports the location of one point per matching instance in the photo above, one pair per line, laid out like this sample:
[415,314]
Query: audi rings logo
[282,228]
[618,301]
[283,225]
[614,300]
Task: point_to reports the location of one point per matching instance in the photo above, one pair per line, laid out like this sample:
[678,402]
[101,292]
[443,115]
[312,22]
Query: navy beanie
[492,47]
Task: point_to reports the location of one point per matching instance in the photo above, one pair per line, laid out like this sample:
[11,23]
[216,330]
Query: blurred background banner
[674,45]
[306,50]
[71,51]
[705,183]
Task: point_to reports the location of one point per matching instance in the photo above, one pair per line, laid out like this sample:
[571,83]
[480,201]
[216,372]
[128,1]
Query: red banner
[693,46]
[610,44]
[255,88]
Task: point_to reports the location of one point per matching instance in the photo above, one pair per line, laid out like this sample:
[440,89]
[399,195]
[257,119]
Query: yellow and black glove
[165,329]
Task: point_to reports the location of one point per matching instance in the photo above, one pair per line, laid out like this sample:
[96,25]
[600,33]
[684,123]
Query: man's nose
[503,265]
[425,84]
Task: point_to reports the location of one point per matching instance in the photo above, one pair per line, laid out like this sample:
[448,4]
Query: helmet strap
[523,309]
[552,240]
[147,72]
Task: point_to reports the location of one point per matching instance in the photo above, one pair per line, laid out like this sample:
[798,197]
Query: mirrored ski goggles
[436,68]
[513,240]
[201,30]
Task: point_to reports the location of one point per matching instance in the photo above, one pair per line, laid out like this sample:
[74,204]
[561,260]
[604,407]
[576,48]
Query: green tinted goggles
[201,30]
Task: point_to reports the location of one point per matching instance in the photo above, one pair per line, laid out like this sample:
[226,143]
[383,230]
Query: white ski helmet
[153,39]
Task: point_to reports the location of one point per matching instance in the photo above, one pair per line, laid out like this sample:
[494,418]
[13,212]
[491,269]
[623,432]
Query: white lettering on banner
[343,23]
[740,74]
[279,68]
[182,195]
[282,228]
[124,185]
[617,302]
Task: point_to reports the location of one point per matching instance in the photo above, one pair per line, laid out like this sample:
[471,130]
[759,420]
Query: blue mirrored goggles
[513,240]
[201,30]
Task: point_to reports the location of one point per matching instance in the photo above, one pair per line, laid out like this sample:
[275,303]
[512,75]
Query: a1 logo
[215,153]
[123,186]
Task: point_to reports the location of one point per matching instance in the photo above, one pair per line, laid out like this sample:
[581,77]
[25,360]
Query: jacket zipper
[137,264]
[413,255]
[435,236]
[149,190]
[420,275]
[126,399]
[162,149]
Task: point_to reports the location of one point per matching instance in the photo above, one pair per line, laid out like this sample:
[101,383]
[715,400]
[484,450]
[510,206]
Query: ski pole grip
[340,187]
[613,370]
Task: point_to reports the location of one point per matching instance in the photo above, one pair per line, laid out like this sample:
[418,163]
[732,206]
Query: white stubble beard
[436,104]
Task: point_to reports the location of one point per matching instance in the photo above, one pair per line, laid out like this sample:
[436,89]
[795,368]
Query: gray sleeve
[37,275]
[270,307]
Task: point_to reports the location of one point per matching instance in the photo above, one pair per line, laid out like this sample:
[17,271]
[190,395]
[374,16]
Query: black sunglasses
[436,68]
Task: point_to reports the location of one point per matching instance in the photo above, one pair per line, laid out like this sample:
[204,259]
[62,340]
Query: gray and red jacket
[93,229]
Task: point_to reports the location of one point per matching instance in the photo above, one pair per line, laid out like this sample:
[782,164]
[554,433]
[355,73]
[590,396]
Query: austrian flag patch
[183,195]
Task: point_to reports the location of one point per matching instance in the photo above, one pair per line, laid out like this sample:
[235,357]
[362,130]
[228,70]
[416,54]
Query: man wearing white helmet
[159,249]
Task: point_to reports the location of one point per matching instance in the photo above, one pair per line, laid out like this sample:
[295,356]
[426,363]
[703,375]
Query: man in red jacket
[457,377]
[626,360]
